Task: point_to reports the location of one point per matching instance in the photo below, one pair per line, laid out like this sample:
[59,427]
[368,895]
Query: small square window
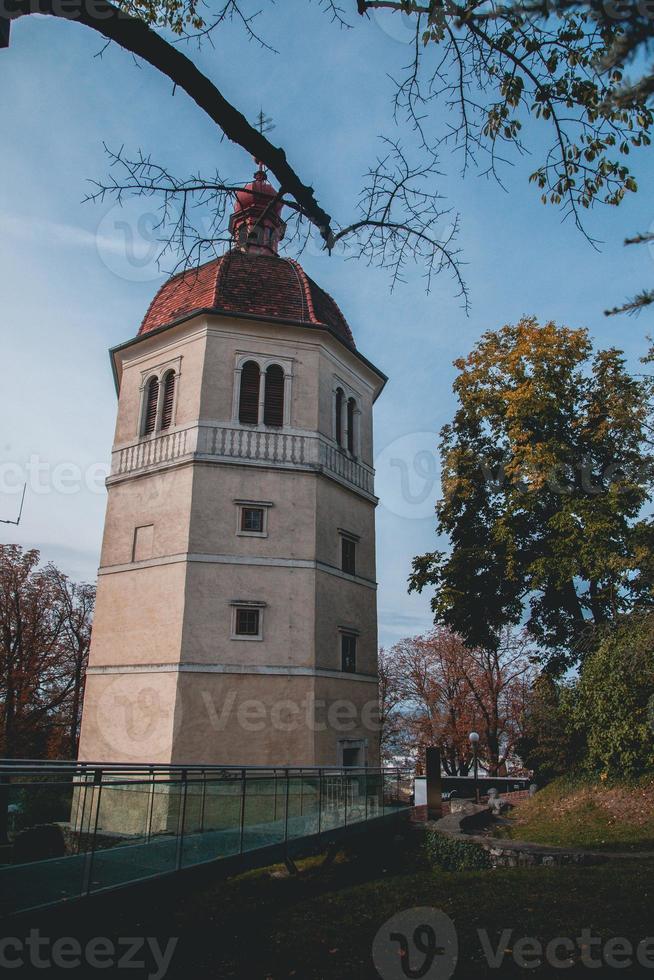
[247,619]
[247,622]
[348,653]
[252,519]
[348,555]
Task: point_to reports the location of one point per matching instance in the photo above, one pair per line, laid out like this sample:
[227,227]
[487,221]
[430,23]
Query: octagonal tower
[236,611]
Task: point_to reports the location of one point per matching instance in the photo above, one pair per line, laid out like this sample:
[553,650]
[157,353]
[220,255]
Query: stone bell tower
[236,611]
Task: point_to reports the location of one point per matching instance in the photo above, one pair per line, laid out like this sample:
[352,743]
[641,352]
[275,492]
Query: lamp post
[473,738]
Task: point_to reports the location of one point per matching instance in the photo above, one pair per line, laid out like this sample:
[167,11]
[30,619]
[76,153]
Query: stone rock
[462,806]
[497,806]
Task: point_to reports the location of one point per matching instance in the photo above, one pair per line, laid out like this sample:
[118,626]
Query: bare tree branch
[336,12]
[493,66]
[399,220]
[497,66]
[645,298]
[137,37]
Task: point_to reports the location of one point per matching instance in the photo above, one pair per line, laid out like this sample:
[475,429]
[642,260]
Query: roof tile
[248,284]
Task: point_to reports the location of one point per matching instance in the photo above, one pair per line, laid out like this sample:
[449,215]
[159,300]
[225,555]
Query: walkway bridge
[124,824]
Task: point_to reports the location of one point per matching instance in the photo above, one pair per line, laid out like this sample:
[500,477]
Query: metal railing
[74,829]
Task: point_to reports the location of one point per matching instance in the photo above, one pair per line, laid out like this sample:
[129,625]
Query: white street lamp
[473,738]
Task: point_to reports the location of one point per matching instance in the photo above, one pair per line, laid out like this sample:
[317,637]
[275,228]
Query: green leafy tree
[552,744]
[545,475]
[614,693]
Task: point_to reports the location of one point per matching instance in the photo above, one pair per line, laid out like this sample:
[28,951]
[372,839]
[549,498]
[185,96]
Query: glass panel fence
[333,801]
[304,805]
[355,794]
[68,830]
[212,824]
[136,830]
[391,791]
[374,795]
[34,867]
[264,811]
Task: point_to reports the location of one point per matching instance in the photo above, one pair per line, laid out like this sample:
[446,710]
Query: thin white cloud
[29,229]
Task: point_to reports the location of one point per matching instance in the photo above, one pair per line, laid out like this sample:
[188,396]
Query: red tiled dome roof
[249,284]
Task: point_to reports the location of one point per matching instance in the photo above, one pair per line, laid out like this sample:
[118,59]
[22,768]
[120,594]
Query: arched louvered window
[168,400]
[151,403]
[248,406]
[351,406]
[273,405]
[338,408]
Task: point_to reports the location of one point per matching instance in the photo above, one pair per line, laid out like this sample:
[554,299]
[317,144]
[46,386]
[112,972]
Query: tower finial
[264,124]
[256,223]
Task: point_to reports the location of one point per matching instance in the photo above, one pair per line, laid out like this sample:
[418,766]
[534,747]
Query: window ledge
[252,503]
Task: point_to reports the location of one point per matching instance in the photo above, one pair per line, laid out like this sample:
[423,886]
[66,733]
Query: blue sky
[68,292]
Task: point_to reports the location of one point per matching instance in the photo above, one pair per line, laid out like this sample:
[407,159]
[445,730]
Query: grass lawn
[601,816]
[321,925]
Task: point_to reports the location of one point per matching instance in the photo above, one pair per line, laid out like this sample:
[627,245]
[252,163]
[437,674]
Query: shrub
[614,700]
[552,743]
[39,843]
[453,854]
[42,801]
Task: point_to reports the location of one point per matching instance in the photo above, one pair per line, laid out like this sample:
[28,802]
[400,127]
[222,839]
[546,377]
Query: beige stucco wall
[161,499]
[291,519]
[349,713]
[289,594]
[339,507]
[340,371]
[227,719]
[244,720]
[341,604]
[129,718]
[139,616]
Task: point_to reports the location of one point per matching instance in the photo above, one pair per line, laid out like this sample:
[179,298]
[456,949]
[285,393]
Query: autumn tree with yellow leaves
[546,471]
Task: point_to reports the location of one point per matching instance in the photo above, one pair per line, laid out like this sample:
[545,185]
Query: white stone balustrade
[248,444]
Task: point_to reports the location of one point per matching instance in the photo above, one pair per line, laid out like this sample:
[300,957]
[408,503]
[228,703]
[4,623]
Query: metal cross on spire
[264,123]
